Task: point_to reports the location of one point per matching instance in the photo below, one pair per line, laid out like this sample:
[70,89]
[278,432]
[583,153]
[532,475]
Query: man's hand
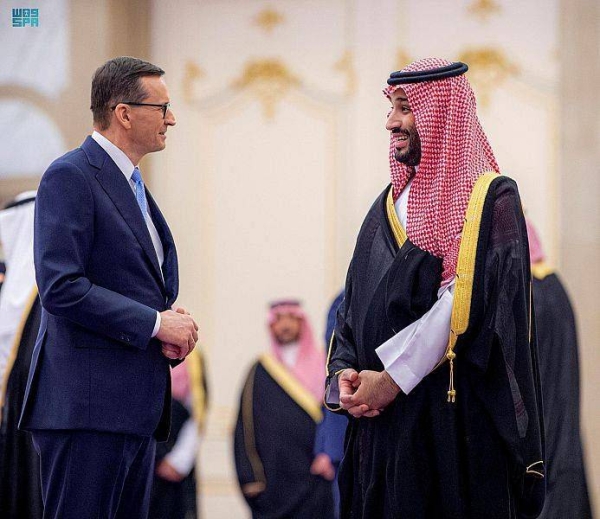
[166,471]
[171,351]
[374,391]
[322,466]
[348,383]
[178,332]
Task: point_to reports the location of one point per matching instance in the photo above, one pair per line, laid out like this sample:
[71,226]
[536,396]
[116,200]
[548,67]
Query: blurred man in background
[566,486]
[329,442]
[174,494]
[20,311]
[275,432]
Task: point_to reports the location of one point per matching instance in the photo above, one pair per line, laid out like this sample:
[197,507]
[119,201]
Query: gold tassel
[451,391]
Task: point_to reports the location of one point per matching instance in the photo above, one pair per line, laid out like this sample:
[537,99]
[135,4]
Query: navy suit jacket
[94,365]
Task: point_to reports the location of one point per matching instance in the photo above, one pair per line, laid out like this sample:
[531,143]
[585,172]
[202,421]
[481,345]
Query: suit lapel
[170,268]
[119,191]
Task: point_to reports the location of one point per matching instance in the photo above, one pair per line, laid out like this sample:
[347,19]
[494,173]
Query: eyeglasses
[164,106]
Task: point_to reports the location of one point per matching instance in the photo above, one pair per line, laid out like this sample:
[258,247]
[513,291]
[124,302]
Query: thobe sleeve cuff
[411,354]
[156,325]
[403,376]
[332,392]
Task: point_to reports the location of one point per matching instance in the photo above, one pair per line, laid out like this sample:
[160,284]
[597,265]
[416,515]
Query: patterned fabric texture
[454,153]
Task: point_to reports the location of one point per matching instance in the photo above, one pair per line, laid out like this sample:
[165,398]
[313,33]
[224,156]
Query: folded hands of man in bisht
[366,393]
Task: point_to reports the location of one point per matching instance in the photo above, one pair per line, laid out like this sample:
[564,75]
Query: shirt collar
[116,154]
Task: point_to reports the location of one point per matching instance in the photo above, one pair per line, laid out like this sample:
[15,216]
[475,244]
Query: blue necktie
[140,192]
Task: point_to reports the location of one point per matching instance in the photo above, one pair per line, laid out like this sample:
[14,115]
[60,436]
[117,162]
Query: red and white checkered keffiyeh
[454,153]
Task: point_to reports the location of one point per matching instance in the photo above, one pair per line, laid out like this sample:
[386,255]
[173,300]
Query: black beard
[413,156]
[284,340]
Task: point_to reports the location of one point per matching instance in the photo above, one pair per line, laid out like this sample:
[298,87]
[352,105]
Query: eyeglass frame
[164,106]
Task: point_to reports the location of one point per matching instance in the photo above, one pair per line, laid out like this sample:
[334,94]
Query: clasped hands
[178,333]
[366,394]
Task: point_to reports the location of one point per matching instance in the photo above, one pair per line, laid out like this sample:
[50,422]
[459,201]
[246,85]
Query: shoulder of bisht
[297,392]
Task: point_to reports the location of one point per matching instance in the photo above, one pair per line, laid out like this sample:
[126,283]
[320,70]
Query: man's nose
[393,122]
[170,118]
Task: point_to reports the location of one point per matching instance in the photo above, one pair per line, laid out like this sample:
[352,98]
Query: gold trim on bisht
[465,271]
[195,365]
[12,356]
[540,270]
[249,435]
[394,221]
[292,387]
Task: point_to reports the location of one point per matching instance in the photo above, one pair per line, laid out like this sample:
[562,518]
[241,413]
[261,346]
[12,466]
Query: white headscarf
[16,237]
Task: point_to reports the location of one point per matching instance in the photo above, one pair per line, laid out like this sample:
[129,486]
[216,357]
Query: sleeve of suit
[63,241]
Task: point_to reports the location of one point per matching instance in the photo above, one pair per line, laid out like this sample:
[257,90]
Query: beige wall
[579,126]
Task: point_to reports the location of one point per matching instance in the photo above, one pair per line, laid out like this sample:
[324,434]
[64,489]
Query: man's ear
[122,115]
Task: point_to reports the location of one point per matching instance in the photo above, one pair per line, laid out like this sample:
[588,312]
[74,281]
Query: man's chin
[406,158]
[400,156]
[284,341]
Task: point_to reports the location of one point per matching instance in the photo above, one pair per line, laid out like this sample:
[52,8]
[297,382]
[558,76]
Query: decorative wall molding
[268,19]
[489,67]
[192,73]
[403,58]
[345,65]
[269,80]
[484,9]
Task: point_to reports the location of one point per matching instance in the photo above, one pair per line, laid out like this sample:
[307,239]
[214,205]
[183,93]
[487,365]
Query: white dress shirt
[411,354]
[126,166]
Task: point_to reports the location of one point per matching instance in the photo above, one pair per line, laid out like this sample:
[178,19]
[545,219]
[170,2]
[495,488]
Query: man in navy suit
[98,394]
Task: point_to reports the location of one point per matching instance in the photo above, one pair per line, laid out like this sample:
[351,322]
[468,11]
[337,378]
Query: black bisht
[20,486]
[425,457]
[567,492]
[273,447]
